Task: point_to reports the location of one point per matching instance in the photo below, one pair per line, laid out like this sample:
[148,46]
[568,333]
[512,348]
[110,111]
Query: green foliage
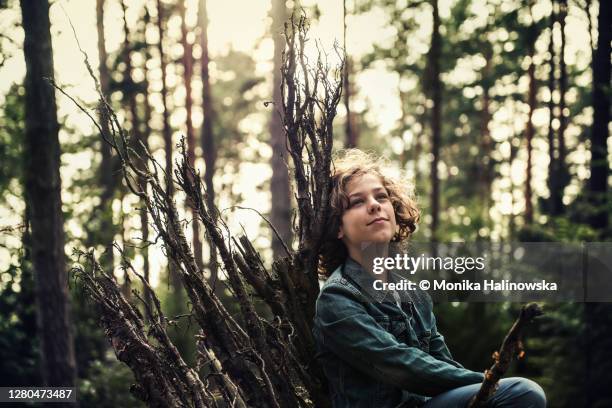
[18,342]
[555,354]
[104,385]
[459,321]
[93,346]
[182,328]
[11,139]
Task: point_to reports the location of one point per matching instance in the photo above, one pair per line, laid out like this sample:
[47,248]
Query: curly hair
[348,165]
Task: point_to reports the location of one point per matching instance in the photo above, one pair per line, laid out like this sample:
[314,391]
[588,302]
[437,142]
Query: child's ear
[340,233]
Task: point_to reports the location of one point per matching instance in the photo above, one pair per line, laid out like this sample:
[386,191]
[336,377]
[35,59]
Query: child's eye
[355,202]
[382,197]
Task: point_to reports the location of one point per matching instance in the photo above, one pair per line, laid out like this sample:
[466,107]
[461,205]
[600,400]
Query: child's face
[370,217]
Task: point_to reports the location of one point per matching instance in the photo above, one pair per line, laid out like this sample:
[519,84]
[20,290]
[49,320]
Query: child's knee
[530,392]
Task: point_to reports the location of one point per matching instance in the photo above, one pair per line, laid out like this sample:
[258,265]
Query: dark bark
[43,195]
[513,153]
[563,174]
[166,131]
[207,137]
[139,138]
[600,167]
[554,199]
[486,165]
[191,141]
[435,89]
[108,167]
[529,132]
[559,176]
[280,212]
[350,131]
[167,136]
[144,217]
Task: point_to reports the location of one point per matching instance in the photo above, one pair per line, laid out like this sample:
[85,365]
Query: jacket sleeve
[438,347]
[354,335]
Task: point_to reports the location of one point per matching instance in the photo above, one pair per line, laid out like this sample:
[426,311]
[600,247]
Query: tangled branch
[248,360]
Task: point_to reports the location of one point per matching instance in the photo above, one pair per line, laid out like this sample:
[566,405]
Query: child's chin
[382,238]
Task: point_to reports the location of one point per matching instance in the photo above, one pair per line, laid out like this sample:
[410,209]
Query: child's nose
[373,205]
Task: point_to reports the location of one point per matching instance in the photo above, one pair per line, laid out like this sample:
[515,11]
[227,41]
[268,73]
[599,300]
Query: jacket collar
[365,281]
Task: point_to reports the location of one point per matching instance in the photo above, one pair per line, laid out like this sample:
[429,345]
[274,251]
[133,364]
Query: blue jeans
[513,392]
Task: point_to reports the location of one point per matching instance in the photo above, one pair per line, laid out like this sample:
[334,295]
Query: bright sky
[243,25]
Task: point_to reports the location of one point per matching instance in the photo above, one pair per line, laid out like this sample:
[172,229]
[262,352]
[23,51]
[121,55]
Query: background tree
[280,213]
[207,137]
[434,87]
[42,189]
[350,130]
[108,168]
[187,64]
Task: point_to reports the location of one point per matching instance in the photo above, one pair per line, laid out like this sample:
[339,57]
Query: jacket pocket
[424,339]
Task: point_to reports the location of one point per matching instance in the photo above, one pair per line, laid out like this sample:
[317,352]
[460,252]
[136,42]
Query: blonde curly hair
[348,165]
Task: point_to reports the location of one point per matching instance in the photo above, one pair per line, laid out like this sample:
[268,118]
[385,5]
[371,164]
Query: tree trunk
[487,142]
[562,171]
[167,132]
[139,138]
[145,141]
[167,136]
[436,97]
[191,142]
[529,131]
[600,167]
[280,213]
[43,194]
[511,159]
[108,170]
[207,137]
[554,196]
[350,131]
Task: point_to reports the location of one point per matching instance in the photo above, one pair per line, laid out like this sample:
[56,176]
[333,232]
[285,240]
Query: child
[382,349]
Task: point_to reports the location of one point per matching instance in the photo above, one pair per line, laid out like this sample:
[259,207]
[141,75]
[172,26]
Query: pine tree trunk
[108,170]
[191,141]
[43,194]
[436,97]
[167,136]
[562,171]
[167,131]
[487,142]
[529,131]
[145,141]
[139,138]
[552,182]
[600,167]
[280,213]
[349,124]
[403,125]
[207,137]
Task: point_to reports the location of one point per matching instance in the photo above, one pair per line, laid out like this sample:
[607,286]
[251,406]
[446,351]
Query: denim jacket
[376,353]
